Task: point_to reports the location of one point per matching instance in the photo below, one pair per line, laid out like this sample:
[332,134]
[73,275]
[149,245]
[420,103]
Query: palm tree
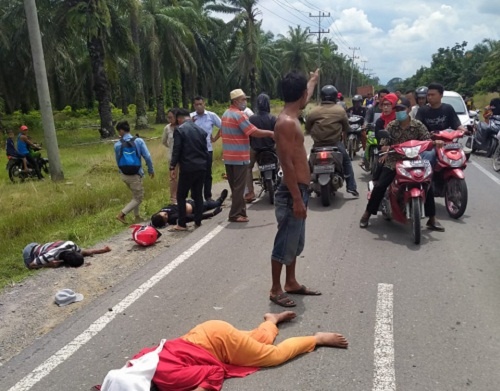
[297,50]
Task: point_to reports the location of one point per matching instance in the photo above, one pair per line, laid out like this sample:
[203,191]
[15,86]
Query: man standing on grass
[128,153]
[292,195]
[191,154]
[236,131]
[206,120]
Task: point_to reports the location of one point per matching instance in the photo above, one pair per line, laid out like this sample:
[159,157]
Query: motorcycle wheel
[415,220]
[325,195]
[493,147]
[496,159]
[15,173]
[269,185]
[455,197]
[44,166]
[350,148]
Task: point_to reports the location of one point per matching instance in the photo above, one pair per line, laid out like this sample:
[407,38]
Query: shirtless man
[292,195]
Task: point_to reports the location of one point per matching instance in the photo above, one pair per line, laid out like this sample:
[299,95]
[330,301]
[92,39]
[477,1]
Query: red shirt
[184,366]
[235,131]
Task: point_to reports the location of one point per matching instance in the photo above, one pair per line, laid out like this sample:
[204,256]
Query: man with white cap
[236,130]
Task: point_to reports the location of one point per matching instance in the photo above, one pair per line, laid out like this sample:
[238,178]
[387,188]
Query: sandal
[283,300]
[240,219]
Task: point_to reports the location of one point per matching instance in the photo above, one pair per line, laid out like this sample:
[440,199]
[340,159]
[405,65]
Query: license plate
[267,167]
[453,146]
[417,163]
[327,168]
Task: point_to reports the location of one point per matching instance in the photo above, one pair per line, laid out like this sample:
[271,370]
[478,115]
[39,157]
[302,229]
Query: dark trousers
[190,181]
[207,186]
[385,179]
[33,163]
[237,178]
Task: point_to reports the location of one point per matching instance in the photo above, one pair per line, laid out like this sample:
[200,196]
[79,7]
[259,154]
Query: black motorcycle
[270,173]
[354,135]
[327,173]
[484,137]
[15,166]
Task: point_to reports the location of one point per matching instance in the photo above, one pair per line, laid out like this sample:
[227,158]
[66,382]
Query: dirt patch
[27,309]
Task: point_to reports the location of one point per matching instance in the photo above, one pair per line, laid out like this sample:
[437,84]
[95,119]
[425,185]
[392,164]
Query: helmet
[145,235]
[22,128]
[339,95]
[421,92]
[329,93]
[357,98]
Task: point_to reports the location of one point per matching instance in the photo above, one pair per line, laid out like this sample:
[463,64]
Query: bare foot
[178,228]
[331,339]
[284,316]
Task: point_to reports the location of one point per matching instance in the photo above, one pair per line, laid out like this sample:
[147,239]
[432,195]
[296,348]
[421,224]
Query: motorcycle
[370,159]
[448,180]
[354,135]
[405,197]
[327,173]
[15,166]
[483,138]
[270,172]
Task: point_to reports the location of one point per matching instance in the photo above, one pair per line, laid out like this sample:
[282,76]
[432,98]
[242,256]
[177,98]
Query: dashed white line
[486,172]
[384,378]
[67,351]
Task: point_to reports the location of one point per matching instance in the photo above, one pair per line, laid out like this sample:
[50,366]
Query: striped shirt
[235,130]
[45,253]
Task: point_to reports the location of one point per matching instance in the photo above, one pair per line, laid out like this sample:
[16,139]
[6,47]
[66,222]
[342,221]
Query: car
[455,99]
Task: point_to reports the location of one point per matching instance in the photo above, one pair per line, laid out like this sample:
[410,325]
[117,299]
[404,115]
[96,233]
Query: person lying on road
[211,352]
[55,254]
[169,214]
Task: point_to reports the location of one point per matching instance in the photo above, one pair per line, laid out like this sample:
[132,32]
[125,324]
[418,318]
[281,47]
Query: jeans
[430,156]
[386,177]
[347,165]
[190,181]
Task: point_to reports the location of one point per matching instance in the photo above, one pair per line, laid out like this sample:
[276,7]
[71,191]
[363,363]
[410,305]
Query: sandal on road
[283,300]
[239,219]
[304,291]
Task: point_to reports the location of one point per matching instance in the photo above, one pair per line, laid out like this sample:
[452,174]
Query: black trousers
[207,186]
[190,181]
[33,163]
[385,179]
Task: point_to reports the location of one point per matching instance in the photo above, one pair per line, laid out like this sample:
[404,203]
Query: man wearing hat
[402,129]
[236,130]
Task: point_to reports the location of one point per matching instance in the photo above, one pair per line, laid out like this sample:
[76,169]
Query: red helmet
[145,235]
[22,128]
[339,95]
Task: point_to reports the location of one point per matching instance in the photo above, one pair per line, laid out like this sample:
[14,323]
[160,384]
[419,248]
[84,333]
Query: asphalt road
[417,317]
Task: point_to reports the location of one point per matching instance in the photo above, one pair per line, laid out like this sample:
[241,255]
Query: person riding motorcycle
[23,145]
[421,93]
[358,109]
[328,125]
[374,112]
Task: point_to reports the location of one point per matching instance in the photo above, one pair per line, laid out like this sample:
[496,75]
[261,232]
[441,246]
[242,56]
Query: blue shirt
[141,147]
[207,121]
[22,147]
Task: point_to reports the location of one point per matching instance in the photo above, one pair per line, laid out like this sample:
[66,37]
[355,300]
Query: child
[12,151]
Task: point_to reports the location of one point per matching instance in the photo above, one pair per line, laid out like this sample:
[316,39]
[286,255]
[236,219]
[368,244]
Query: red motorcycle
[405,198]
[448,179]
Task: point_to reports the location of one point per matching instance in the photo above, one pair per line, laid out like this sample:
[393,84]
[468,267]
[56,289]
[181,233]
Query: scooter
[270,173]
[448,180]
[354,135]
[370,159]
[405,197]
[15,166]
[483,138]
[327,173]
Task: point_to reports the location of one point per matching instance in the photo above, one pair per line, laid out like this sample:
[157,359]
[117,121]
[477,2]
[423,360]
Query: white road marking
[384,378]
[486,172]
[67,351]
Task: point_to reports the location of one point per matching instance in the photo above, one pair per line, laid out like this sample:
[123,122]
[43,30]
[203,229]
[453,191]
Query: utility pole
[42,87]
[319,32]
[352,69]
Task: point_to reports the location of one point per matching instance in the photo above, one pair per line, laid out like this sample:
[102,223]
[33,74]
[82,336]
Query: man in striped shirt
[54,254]
[236,131]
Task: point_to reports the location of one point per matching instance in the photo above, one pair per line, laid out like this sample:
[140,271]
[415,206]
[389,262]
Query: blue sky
[395,38]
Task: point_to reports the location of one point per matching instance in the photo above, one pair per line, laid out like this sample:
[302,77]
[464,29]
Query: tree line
[459,69]
[155,54]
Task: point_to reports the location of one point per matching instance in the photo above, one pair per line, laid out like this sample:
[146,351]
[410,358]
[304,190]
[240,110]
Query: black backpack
[129,161]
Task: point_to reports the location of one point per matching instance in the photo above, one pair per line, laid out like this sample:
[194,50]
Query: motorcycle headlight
[453,163]
[403,172]
[411,152]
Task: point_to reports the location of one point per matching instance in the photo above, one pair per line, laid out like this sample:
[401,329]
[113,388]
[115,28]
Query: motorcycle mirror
[472,113]
[383,134]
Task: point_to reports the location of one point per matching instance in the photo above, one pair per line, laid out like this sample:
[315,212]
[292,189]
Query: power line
[279,16]
[352,67]
[320,31]
[303,19]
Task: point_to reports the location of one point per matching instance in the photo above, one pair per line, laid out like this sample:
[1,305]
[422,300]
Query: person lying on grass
[55,254]
[169,214]
[211,352]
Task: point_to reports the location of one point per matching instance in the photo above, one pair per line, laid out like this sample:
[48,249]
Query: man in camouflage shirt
[402,129]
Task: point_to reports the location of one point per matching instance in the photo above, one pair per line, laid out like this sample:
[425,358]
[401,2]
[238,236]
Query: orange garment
[247,348]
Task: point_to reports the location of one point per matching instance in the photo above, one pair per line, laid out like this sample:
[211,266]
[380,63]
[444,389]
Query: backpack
[129,161]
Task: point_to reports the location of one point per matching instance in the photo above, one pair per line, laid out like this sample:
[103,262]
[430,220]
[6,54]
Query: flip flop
[304,291]
[283,300]
[240,219]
